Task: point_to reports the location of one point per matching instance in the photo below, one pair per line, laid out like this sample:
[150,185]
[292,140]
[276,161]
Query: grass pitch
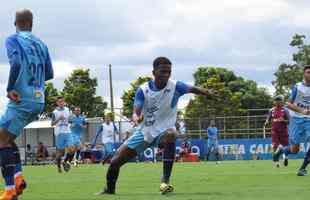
[230,180]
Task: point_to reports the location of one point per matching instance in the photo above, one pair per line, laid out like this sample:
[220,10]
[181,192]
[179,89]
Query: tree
[80,90]
[129,95]
[234,94]
[51,95]
[288,74]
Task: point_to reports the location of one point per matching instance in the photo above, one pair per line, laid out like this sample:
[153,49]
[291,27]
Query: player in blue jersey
[212,142]
[156,101]
[299,125]
[77,126]
[30,67]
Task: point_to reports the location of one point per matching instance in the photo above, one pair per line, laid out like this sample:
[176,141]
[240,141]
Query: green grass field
[236,180]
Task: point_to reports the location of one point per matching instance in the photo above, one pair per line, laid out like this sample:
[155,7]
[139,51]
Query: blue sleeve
[139,99]
[49,72]
[15,63]
[182,88]
[293,94]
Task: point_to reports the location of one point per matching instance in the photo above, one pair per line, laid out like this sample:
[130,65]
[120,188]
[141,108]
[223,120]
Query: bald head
[23,20]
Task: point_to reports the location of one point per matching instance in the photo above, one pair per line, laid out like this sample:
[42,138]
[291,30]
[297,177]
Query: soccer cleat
[20,185]
[277,165]
[105,191]
[164,188]
[302,172]
[66,166]
[9,194]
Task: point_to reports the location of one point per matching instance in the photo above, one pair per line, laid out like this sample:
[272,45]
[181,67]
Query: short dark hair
[306,67]
[59,97]
[161,61]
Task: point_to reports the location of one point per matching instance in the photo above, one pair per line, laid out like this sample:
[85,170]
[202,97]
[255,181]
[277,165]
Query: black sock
[306,160]
[69,157]
[8,163]
[112,176]
[77,154]
[58,161]
[169,154]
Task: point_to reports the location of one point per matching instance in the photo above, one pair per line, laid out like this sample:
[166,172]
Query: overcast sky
[249,37]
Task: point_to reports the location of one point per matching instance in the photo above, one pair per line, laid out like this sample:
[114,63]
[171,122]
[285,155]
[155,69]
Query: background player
[156,101]
[63,137]
[278,116]
[299,126]
[107,131]
[77,124]
[30,67]
[212,142]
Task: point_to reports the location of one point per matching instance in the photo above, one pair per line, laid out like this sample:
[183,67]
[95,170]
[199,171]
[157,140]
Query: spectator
[30,155]
[42,152]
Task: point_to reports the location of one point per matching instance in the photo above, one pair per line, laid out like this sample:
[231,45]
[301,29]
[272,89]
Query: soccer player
[107,131]
[278,116]
[299,126]
[63,136]
[212,142]
[30,67]
[156,101]
[77,124]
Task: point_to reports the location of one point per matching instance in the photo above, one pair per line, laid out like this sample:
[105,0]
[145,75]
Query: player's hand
[14,96]
[61,117]
[305,112]
[135,119]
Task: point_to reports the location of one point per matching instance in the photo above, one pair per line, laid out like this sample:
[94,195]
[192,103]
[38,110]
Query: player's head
[307,73]
[108,118]
[162,70]
[279,100]
[77,110]
[23,20]
[60,101]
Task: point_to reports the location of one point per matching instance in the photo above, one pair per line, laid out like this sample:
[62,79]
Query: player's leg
[217,152]
[20,183]
[70,151]
[7,163]
[167,141]
[302,170]
[284,142]
[209,149]
[126,152]
[108,152]
[296,133]
[275,139]
[60,150]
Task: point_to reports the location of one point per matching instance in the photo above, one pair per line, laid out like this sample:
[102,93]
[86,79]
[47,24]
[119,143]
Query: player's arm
[15,65]
[269,117]
[84,123]
[138,106]
[49,72]
[54,120]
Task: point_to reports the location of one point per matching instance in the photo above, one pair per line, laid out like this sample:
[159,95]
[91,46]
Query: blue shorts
[212,144]
[19,115]
[299,130]
[63,140]
[76,140]
[137,143]
[107,149]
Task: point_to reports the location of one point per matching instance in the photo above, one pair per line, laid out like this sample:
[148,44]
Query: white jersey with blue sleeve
[159,107]
[300,96]
[62,126]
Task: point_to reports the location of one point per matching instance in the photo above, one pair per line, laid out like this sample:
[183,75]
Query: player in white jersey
[63,137]
[299,125]
[156,101]
[107,132]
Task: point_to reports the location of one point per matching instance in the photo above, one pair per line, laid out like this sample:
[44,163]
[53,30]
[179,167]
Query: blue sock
[18,167]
